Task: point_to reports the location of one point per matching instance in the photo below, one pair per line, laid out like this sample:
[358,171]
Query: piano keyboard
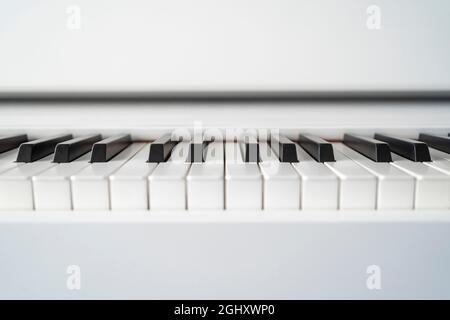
[116,173]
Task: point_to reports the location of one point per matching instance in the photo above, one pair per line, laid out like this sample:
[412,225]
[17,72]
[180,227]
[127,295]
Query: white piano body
[148,68]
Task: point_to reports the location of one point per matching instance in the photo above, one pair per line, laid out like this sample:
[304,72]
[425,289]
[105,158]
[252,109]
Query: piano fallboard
[223,45]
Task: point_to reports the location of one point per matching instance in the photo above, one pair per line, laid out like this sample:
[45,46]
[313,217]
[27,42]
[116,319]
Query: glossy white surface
[320,186]
[222,45]
[395,188]
[432,188]
[90,186]
[16,190]
[205,181]
[243,181]
[167,186]
[357,186]
[281,183]
[315,255]
[52,188]
[7,160]
[129,184]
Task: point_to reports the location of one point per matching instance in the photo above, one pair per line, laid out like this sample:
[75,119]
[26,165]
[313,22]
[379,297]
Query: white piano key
[16,190]
[357,186]
[129,184]
[267,154]
[52,188]
[205,181]
[90,186]
[437,156]
[167,186]
[281,183]
[395,188]
[233,153]
[440,165]
[432,188]
[215,153]
[8,160]
[9,156]
[167,182]
[243,181]
[319,185]
[180,153]
[440,161]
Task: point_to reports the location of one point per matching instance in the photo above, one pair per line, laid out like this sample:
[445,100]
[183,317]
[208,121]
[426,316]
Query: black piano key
[284,148]
[411,149]
[38,149]
[106,149]
[161,148]
[197,151]
[11,142]
[70,150]
[373,149]
[250,149]
[318,148]
[437,142]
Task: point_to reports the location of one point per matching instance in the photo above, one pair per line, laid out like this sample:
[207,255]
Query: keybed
[378,172]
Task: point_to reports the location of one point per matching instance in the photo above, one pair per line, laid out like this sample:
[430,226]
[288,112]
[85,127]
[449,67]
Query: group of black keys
[379,148]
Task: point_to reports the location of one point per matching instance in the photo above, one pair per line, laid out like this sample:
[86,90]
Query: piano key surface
[37,149]
[161,148]
[8,160]
[432,187]
[441,143]
[69,150]
[129,185]
[16,190]
[317,147]
[281,183]
[52,188]
[319,184]
[224,179]
[357,186]
[167,186]
[371,148]
[103,151]
[167,182]
[8,143]
[395,188]
[90,186]
[284,148]
[243,183]
[250,148]
[205,181]
[413,150]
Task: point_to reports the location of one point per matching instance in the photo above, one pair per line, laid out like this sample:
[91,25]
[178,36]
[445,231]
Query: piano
[224,149]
